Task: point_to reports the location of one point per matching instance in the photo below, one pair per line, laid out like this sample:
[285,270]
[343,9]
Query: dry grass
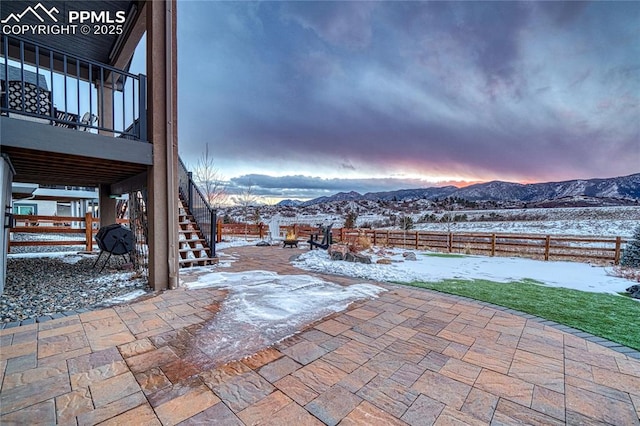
[632,274]
[361,243]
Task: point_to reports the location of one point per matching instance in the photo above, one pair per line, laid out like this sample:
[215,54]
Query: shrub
[350,220]
[406,223]
[631,255]
[627,273]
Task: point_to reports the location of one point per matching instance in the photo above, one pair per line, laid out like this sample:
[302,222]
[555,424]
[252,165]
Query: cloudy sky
[300,99]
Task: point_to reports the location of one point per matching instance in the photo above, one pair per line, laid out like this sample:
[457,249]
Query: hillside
[623,190]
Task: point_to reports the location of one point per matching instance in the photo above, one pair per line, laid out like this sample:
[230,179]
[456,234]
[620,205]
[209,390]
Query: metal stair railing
[204,215]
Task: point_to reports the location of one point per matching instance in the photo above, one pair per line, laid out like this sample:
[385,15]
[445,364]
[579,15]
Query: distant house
[31,199]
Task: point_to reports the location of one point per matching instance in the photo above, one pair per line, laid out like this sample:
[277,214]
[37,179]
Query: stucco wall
[6,175]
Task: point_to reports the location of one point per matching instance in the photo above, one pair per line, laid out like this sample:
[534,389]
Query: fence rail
[547,247]
[46,225]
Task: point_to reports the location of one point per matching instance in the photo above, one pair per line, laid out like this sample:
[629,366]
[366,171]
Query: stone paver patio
[408,357]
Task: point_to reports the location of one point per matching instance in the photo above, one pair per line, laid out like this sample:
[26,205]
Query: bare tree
[246,199]
[210,181]
[449,219]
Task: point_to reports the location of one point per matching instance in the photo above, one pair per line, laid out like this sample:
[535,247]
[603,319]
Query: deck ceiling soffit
[63,169]
[95,47]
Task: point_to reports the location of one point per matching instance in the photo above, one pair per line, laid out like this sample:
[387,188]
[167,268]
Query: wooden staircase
[193,247]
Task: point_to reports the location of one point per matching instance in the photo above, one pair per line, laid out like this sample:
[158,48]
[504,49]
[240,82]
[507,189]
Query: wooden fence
[86,226]
[261,230]
[547,247]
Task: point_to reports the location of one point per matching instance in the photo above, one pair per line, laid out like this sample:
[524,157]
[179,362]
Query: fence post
[450,242]
[416,239]
[493,244]
[214,231]
[88,231]
[218,231]
[190,192]
[616,259]
[261,230]
[547,247]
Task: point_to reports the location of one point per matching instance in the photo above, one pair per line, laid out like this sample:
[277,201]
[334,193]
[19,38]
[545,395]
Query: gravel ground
[41,287]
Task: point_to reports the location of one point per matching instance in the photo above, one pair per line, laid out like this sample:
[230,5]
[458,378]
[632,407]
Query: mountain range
[624,188]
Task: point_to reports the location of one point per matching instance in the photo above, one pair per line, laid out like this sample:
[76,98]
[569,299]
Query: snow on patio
[264,307]
[438,267]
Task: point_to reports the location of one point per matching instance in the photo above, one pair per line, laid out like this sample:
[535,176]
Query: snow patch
[72,258]
[264,307]
[124,298]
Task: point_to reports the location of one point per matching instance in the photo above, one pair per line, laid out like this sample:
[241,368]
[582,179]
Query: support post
[162,131]
[142,108]
[616,257]
[105,106]
[107,206]
[88,231]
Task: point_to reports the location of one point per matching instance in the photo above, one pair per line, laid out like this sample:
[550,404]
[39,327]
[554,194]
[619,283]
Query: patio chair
[37,100]
[274,230]
[87,122]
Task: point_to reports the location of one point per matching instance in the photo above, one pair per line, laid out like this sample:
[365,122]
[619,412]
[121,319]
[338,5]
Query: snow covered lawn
[433,267]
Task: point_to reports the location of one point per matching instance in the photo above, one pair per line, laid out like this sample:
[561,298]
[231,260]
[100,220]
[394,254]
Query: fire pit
[114,239]
[290,240]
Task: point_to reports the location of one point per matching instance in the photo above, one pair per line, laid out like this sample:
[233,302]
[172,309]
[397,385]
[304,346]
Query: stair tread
[197,258]
[208,260]
[187,250]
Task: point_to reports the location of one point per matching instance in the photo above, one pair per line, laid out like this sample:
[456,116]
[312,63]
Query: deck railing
[42,84]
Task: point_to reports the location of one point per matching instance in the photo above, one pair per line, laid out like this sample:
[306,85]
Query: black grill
[114,239]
